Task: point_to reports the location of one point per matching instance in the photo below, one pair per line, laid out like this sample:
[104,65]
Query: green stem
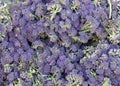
[110,9]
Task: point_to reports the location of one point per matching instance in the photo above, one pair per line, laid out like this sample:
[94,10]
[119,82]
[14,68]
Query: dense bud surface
[60,43]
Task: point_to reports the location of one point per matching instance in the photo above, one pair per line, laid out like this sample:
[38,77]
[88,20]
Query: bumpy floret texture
[100,62]
[61,43]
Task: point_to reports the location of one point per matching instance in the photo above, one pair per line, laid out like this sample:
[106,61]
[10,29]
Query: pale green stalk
[110,9]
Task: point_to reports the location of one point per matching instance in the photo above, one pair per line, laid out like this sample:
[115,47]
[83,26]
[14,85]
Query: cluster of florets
[57,43]
[102,62]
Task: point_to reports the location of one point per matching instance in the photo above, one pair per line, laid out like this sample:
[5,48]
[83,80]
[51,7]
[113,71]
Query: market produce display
[59,43]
